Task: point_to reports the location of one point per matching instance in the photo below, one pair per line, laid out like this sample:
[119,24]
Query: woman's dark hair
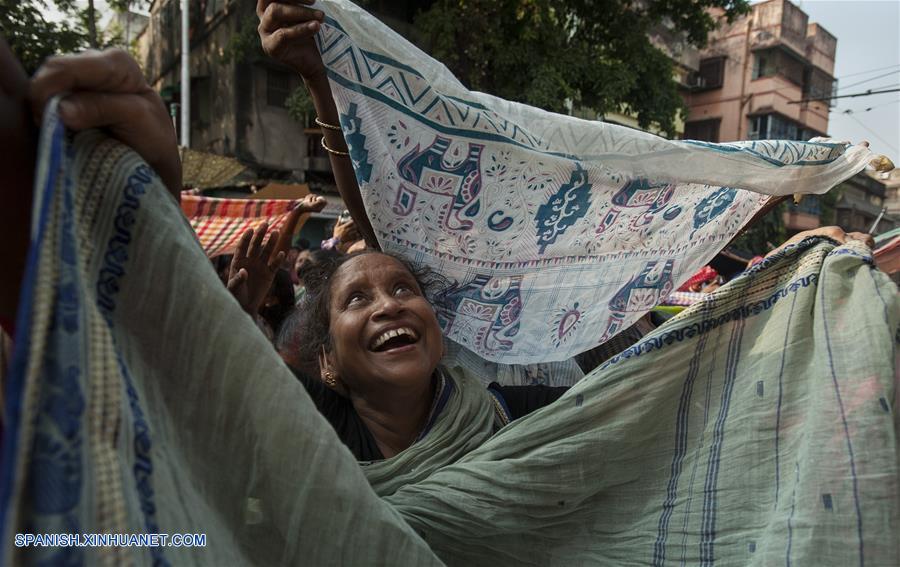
[309,328]
[315,257]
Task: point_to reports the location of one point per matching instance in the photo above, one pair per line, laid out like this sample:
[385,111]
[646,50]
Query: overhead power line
[874,133]
[897,72]
[867,109]
[869,92]
[869,71]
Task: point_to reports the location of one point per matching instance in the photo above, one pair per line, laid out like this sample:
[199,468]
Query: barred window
[278,88]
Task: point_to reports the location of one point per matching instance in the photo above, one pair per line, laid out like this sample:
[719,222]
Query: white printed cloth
[555,232]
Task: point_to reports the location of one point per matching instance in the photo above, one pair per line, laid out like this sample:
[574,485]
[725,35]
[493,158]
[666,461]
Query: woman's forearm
[344,176]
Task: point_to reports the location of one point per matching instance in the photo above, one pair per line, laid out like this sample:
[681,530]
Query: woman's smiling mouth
[399,339]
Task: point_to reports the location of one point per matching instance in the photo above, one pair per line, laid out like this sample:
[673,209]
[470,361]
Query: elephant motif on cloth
[483,314]
[451,169]
[640,294]
[637,194]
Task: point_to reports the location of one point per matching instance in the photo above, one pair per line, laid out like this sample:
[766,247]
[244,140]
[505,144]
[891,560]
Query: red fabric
[887,258]
[703,275]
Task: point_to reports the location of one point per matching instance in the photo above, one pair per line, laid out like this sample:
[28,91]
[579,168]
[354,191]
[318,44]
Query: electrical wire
[897,72]
[852,111]
[869,71]
[874,133]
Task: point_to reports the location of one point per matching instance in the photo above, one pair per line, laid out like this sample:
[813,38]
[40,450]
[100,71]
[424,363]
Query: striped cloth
[684,298]
[219,223]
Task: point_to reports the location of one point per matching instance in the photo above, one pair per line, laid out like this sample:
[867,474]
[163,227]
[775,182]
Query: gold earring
[330,380]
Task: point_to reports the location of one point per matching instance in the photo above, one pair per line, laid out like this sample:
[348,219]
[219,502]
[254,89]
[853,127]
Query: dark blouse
[517,401]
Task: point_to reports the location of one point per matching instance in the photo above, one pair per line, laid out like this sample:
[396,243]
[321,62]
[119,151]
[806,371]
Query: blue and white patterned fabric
[556,232]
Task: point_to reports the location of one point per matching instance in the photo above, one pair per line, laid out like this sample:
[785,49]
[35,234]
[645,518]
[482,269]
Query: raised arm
[286,30]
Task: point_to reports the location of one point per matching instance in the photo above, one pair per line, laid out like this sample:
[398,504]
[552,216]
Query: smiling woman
[368,329]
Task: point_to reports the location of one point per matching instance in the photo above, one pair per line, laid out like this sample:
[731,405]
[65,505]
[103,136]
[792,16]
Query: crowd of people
[357,326]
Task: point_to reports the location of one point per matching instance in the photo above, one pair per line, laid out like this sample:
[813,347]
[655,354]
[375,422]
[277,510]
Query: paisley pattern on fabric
[571,210]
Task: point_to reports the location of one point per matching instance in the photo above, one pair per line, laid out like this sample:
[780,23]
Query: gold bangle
[329,126]
[335,152]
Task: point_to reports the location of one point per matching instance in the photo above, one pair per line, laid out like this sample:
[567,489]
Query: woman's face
[384,331]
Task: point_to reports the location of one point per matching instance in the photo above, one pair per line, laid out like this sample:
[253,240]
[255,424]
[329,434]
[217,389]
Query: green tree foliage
[594,53]
[33,37]
[244,46]
[300,106]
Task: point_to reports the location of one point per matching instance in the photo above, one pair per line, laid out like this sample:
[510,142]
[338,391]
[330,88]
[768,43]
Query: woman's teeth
[388,335]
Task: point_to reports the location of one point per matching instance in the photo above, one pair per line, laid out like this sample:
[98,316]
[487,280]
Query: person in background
[344,234]
[290,261]
[279,301]
[305,261]
[302,258]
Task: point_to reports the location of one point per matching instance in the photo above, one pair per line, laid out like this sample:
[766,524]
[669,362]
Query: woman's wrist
[317,81]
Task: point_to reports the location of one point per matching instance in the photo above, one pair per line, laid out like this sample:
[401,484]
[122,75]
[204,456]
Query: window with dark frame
[763,64]
[201,99]
[278,88]
[712,72]
[703,130]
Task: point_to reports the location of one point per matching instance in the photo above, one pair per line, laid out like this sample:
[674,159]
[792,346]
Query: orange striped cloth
[219,223]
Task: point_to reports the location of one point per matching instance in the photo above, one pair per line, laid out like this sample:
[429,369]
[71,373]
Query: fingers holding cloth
[286,31]
[106,89]
[835,233]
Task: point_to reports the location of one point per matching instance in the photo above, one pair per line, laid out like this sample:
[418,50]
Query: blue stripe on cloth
[681,441]
[710,500]
[502,401]
[445,389]
[790,523]
[787,334]
[840,401]
[115,259]
[725,149]
[22,347]
[707,396]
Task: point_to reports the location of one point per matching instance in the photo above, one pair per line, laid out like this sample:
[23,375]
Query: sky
[868,57]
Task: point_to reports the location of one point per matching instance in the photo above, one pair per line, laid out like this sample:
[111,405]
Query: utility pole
[185,76]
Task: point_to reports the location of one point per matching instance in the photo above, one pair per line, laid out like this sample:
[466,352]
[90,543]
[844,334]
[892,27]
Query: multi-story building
[862,200]
[756,71]
[237,104]
[238,100]
[767,75]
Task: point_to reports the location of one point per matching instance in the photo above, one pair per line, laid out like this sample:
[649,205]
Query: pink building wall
[801,63]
